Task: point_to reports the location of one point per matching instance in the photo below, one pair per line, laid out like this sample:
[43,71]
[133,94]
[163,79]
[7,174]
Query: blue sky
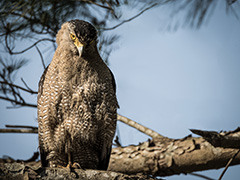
[167,81]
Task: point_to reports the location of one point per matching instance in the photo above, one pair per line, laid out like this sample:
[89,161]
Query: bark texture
[164,157]
[18,171]
[229,139]
[157,157]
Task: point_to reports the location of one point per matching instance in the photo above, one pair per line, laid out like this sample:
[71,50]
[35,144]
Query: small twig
[34,131]
[228,164]
[139,127]
[18,103]
[117,143]
[35,92]
[128,20]
[200,175]
[102,6]
[19,87]
[34,44]
[20,126]
[41,56]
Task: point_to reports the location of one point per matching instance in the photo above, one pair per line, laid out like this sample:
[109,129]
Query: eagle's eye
[72,36]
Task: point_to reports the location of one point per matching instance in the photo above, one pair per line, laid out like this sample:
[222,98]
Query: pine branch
[130,19]
[26,49]
[15,102]
[19,87]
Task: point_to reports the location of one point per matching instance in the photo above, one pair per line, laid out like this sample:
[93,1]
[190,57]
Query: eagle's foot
[73,166]
[76,166]
[63,167]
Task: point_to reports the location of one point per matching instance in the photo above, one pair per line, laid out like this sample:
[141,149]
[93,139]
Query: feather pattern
[77,104]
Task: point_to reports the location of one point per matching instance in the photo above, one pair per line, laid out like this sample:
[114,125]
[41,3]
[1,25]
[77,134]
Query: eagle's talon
[76,166]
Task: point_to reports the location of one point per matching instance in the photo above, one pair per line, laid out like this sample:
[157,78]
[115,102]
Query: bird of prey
[77,104]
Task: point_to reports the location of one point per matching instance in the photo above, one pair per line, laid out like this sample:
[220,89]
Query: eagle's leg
[69,165]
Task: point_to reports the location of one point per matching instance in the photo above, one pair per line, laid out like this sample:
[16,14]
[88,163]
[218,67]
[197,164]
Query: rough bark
[229,139]
[9,171]
[164,157]
[157,157]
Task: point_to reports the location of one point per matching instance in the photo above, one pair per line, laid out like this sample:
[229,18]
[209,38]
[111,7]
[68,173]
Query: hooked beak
[80,50]
[79,46]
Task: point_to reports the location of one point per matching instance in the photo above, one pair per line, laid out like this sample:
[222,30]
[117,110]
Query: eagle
[77,104]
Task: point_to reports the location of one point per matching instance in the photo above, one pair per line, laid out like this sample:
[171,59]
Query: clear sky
[167,81]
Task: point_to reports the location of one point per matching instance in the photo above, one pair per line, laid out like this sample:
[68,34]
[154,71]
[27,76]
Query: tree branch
[226,140]
[34,131]
[19,87]
[100,5]
[228,164]
[41,56]
[128,20]
[18,102]
[21,126]
[201,176]
[26,49]
[165,157]
[139,127]
[29,171]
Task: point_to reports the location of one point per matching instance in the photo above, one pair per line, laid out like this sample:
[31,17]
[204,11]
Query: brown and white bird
[77,104]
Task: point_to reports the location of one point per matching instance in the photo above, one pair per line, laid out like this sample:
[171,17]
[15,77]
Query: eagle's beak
[79,47]
[80,50]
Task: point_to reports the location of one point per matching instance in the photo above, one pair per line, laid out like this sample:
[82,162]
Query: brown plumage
[76,102]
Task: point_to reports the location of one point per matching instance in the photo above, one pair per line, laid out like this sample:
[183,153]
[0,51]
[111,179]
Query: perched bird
[77,104]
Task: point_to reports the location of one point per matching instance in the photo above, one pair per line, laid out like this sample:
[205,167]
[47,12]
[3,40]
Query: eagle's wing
[110,130]
[43,154]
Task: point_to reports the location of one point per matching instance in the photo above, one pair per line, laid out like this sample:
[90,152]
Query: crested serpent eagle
[77,104]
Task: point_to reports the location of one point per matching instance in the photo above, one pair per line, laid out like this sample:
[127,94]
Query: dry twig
[14,101]
[128,20]
[33,131]
[201,176]
[139,127]
[26,49]
[21,126]
[19,87]
[228,164]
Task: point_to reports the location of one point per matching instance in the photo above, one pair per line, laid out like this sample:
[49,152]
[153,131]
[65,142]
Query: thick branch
[22,171]
[166,157]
